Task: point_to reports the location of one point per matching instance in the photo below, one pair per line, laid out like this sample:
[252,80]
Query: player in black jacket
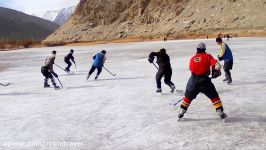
[165,69]
[67,59]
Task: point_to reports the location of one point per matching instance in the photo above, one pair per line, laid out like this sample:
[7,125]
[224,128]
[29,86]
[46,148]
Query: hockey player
[199,81]
[48,71]
[227,57]
[165,69]
[98,63]
[67,59]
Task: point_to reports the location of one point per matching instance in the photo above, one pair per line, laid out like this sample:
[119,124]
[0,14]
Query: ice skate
[181,114]
[88,77]
[229,81]
[96,77]
[46,85]
[172,88]
[56,87]
[159,91]
[67,70]
[222,115]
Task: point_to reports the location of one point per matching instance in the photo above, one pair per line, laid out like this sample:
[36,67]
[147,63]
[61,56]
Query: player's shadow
[248,82]
[224,91]
[115,79]
[17,94]
[76,74]
[231,119]
[82,87]
[246,119]
[197,120]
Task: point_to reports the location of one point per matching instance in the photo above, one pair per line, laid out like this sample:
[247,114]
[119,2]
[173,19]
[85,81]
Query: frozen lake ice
[123,112]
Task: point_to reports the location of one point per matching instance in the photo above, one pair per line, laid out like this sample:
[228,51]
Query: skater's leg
[159,76]
[210,91]
[69,64]
[228,65]
[99,70]
[50,76]
[91,71]
[228,76]
[46,85]
[190,94]
[45,73]
[167,80]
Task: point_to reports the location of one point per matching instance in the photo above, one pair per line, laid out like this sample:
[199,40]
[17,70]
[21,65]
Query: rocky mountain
[57,16]
[16,25]
[112,19]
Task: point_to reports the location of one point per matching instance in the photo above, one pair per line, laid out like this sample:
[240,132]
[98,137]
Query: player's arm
[222,52]
[94,57]
[104,59]
[215,63]
[73,59]
[151,56]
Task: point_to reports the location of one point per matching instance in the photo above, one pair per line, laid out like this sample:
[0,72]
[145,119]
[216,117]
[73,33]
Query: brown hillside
[113,19]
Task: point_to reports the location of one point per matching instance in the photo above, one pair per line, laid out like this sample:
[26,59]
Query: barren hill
[112,19]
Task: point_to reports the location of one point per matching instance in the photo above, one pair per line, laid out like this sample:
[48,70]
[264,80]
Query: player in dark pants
[67,59]
[48,71]
[227,56]
[98,63]
[165,69]
[200,82]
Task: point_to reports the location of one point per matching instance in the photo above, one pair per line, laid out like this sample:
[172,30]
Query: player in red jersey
[200,82]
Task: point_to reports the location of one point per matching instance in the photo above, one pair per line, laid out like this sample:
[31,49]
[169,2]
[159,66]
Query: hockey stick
[178,102]
[76,66]
[155,66]
[60,82]
[63,69]
[109,71]
[7,84]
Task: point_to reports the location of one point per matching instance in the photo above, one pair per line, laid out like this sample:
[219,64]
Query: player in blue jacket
[98,63]
[227,56]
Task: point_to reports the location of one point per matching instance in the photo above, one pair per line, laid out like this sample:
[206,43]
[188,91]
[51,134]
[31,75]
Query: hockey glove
[220,58]
[150,60]
[216,73]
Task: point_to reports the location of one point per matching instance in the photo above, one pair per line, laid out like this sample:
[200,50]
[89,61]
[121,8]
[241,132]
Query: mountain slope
[57,16]
[111,19]
[16,25]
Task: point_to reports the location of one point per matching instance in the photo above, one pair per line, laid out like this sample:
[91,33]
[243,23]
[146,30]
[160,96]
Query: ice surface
[123,112]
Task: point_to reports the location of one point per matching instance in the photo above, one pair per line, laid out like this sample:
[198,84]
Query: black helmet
[71,50]
[163,50]
[54,52]
[103,51]
[219,39]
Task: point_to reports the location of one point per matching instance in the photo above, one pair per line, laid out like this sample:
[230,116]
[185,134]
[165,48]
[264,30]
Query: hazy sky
[34,6]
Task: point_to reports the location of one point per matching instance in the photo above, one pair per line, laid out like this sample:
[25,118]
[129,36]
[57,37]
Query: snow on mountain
[57,16]
[64,14]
